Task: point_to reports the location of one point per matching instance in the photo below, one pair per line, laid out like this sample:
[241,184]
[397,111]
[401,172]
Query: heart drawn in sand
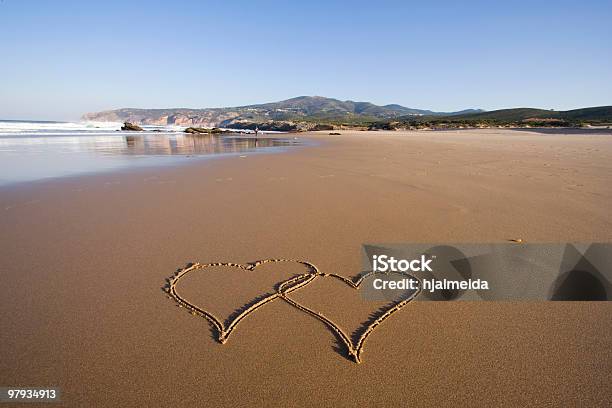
[225,328]
[354,349]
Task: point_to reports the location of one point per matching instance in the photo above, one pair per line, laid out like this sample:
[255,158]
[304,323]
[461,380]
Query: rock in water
[131,126]
[197,130]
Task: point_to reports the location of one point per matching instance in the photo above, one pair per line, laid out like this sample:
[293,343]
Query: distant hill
[601,115]
[311,109]
[462,112]
[321,107]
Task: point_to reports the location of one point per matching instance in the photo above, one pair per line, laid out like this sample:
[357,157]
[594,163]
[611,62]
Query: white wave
[89,128]
[17,127]
[33,128]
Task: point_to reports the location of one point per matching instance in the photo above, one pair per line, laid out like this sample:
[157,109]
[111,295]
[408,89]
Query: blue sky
[60,59]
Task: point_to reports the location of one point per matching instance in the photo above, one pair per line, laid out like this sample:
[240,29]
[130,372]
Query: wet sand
[84,260]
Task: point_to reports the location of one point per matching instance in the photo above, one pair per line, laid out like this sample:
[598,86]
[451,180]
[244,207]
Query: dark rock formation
[131,126]
[199,130]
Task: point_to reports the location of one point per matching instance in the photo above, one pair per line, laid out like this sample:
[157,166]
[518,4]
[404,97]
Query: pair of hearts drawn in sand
[354,349]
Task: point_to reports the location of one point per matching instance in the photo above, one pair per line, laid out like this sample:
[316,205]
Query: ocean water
[36,150]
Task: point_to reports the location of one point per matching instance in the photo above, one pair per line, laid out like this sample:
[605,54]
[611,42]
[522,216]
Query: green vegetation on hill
[518,117]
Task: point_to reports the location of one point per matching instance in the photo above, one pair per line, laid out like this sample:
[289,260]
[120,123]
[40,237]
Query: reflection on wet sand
[192,144]
[34,157]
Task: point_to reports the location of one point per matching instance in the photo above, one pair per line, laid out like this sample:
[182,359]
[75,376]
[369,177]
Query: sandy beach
[84,260]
